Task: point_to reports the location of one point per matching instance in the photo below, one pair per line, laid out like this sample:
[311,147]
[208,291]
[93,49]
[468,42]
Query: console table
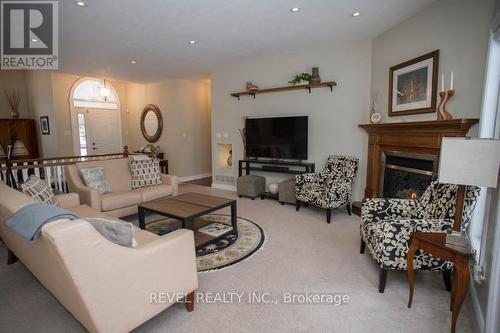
[279,166]
[434,243]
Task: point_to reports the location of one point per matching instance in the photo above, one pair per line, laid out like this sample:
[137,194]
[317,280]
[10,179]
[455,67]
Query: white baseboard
[231,188]
[477,306]
[195,177]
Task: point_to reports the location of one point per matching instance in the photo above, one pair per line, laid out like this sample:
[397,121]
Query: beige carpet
[301,253]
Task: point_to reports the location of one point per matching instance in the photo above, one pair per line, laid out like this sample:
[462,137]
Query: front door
[102,131]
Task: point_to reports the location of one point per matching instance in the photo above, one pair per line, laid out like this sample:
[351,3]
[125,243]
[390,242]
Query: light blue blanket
[29,220]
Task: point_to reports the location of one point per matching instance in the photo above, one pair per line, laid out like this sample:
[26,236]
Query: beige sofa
[122,201]
[107,287]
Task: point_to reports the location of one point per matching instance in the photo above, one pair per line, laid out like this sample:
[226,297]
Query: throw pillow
[39,190]
[139,157]
[94,177]
[116,231]
[145,173]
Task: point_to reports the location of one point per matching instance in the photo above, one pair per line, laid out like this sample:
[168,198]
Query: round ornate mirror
[151,123]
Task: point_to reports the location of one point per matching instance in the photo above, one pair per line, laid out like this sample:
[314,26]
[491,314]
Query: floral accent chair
[330,188]
[386,225]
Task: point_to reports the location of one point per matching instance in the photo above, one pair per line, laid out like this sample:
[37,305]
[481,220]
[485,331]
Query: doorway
[95,118]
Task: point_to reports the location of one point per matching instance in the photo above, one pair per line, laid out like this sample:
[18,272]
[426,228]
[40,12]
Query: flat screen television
[277,138]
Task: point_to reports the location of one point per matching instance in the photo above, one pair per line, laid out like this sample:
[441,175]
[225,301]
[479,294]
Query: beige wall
[13,80]
[39,84]
[459,29]
[186,117]
[333,116]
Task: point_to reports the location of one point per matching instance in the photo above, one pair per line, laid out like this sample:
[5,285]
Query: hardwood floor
[203,182]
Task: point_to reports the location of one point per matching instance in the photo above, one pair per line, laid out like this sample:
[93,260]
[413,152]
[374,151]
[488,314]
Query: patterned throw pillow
[145,173]
[39,190]
[94,177]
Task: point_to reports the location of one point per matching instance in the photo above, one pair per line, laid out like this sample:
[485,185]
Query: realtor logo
[29,35]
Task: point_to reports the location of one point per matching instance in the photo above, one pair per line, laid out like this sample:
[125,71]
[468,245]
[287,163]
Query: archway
[95,117]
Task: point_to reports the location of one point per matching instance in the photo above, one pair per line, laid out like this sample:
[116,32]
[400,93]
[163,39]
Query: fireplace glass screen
[406,177]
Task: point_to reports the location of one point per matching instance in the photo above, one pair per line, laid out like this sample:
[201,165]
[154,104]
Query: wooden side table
[434,243]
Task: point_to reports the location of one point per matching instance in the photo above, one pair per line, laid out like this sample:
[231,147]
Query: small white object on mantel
[451,81]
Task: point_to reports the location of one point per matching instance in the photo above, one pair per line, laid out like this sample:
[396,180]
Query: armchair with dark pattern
[330,188]
[386,225]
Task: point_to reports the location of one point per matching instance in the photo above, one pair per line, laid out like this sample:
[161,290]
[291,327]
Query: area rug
[225,252]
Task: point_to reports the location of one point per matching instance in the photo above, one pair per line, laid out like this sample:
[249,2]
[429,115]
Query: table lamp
[466,161]
[16,148]
[19,149]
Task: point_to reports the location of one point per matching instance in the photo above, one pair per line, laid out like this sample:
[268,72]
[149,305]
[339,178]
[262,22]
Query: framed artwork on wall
[44,125]
[413,85]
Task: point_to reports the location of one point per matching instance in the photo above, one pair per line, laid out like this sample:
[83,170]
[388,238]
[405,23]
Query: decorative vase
[230,158]
[442,114]
[273,188]
[14,114]
[315,75]
[301,83]
[251,87]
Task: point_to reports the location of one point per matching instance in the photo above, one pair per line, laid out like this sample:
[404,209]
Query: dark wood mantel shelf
[433,126]
[307,87]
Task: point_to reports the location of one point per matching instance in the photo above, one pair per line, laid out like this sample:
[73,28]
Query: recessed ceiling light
[133,61]
[81,3]
[356,14]
[34,40]
[192,42]
[295,9]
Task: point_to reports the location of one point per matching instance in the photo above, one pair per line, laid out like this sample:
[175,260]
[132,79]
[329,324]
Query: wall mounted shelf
[307,87]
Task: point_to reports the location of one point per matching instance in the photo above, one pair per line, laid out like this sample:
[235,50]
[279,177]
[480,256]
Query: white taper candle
[451,81]
[442,82]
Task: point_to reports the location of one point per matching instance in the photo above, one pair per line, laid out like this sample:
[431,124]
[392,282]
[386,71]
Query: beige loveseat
[122,200]
[107,287]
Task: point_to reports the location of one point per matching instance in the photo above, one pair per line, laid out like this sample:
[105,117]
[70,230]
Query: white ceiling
[102,38]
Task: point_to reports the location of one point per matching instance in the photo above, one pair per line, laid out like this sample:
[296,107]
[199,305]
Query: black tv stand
[276,166]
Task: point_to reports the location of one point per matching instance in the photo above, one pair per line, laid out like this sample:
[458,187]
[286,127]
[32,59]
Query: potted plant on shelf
[300,79]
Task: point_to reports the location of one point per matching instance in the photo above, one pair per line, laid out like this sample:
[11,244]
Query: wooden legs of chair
[349,208]
[447,279]
[190,301]
[382,279]
[382,275]
[328,215]
[297,205]
[328,210]
[11,257]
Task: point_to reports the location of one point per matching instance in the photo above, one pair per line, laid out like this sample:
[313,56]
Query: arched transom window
[95,117]
[94,93]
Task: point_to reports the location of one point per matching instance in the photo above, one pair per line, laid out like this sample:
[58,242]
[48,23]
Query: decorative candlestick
[442,114]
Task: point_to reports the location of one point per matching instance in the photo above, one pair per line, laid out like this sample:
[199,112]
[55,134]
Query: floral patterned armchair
[330,188]
[386,225]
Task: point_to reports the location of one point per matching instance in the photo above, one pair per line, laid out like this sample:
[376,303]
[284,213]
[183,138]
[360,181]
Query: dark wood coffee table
[187,207]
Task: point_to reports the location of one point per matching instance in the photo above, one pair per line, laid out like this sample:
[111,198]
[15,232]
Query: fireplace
[405,175]
[422,138]
[419,140]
